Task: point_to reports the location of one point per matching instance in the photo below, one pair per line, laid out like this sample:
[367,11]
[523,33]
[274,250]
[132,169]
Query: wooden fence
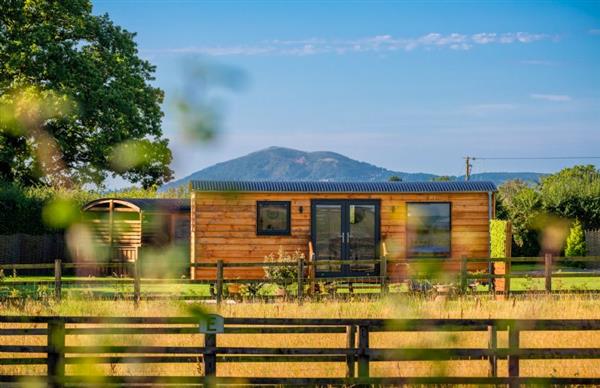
[416,270]
[592,242]
[357,355]
[23,248]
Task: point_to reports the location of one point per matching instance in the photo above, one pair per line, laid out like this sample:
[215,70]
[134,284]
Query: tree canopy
[571,194]
[76,100]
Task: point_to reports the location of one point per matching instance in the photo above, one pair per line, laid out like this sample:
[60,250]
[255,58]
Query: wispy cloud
[551,97]
[594,31]
[538,62]
[373,44]
[488,109]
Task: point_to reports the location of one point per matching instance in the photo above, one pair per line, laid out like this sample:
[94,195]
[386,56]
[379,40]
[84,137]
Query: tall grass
[549,307]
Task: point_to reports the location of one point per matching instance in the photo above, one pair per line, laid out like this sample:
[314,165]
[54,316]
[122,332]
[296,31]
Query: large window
[428,229]
[273,218]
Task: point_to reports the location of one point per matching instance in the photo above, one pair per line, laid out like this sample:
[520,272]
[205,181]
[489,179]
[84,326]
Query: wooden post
[137,294]
[350,344]
[219,281]
[463,274]
[513,345]
[56,353]
[383,274]
[310,273]
[210,358]
[507,273]
[363,351]
[548,271]
[57,279]
[300,283]
[493,346]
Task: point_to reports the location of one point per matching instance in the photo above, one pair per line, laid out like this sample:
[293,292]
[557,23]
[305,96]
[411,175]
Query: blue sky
[410,86]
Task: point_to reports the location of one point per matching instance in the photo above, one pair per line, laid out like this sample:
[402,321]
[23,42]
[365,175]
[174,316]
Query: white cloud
[594,31]
[376,44]
[551,97]
[487,109]
[538,62]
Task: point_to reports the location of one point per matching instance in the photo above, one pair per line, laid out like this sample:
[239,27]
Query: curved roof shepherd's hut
[125,225]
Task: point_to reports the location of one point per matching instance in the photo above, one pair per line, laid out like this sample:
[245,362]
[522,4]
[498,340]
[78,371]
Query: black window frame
[288,229]
[408,250]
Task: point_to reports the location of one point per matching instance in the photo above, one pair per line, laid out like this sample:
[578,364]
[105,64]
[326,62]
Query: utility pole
[468,167]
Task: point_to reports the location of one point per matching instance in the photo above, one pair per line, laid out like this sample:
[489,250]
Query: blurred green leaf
[60,213]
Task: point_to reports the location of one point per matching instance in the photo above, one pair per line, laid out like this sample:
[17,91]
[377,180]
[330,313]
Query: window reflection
[428,229]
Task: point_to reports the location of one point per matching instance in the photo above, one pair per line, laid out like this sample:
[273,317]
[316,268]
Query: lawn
[111,287]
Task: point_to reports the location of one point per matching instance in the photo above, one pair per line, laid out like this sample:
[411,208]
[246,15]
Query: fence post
[383,274]
[350,344]
[300,283]
[219,281]
[136,283]
[210,358]
[56,353]
[463,274]
[493,346]
[507,274]
[363,351]
[57,279]
[513,346]
[548,271]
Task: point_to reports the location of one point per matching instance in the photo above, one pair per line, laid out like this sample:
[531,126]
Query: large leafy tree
[76,100]
[570,194]
[573,193]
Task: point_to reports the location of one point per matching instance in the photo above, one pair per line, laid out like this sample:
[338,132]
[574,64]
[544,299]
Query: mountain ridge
[287,164]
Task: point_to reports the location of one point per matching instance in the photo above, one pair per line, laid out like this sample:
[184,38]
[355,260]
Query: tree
[520,204]
[573,193]
[576,241]
[394,178]
[442,178]
[72,91]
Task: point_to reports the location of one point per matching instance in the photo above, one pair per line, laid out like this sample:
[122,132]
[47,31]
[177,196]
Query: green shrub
[498,238]
[283,275]
[576,241]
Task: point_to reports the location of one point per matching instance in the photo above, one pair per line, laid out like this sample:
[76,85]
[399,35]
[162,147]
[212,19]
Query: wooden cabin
[122,228]
[348,221]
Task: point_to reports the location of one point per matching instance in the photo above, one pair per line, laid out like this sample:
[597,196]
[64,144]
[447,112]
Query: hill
[285,164]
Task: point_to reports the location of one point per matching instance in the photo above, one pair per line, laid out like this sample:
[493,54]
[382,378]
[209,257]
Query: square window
[273,218]
[428,229]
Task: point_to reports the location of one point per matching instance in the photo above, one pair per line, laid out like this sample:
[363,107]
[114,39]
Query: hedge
[498,236]
[22,208]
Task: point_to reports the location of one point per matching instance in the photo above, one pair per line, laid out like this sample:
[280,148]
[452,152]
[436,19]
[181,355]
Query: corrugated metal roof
[151,204]
[172,204]
[344,187]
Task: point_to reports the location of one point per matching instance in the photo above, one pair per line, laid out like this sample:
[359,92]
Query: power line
[535,158]
[469,159]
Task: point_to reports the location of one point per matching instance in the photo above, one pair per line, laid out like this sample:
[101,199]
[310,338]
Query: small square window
[273,218]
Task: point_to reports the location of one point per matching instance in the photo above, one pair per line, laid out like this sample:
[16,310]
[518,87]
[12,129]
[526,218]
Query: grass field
[543,306]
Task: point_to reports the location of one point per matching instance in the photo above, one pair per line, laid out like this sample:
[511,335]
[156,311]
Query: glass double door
[344,232]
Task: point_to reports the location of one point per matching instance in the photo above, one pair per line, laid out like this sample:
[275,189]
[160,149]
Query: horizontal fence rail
[462,277]
[357,355]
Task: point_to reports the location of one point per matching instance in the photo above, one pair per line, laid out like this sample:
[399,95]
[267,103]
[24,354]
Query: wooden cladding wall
[224,227]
